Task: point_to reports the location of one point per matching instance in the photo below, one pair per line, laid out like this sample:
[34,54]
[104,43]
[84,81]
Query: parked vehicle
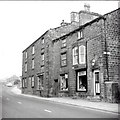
[9,84]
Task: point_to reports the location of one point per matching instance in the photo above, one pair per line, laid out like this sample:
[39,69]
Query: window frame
[25,66]
[32,81]
[42,59]
[38,83]
[33,50]
[65,53]
[42,68]
[42,40]
[80,34]
[83,74]
[64,44]
[65,76]
[75,55]
[33,63]
[26,55]
[25,82]
[82,55]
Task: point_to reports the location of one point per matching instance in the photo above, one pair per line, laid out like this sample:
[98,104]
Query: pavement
[101,106]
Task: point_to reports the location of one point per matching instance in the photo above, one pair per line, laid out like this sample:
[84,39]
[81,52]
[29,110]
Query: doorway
[96,78]
[56,87]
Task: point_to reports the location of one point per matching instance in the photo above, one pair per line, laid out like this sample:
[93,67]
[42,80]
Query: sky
[22,22]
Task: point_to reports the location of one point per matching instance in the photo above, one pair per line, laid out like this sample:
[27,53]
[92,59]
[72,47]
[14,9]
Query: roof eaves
[35,41]
[80,27]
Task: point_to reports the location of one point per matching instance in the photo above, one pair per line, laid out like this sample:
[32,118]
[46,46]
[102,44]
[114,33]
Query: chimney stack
[74,17]
[87,7]
[118,4]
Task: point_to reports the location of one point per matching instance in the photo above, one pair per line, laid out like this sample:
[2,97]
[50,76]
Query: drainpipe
[106,51]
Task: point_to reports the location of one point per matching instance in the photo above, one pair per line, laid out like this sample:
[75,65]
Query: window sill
[63,47]
[79,39]
[64,66]
[64,90]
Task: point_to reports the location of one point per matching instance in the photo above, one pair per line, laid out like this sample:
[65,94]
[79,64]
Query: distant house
[79,58]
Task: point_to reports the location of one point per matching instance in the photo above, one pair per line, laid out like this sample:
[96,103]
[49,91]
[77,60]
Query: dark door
[56,87]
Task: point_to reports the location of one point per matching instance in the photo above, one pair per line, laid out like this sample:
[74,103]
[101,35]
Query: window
[33,63]
[43,41]
[42,58]
[38,83]
[63,59]
[42,68]
[25,67]
[75,55]
[42,50]
[64,82]
[33,49]
[81,81]
[25,83]
[64,43]
[82,54]
[26,54]
[80,34]
[32,81]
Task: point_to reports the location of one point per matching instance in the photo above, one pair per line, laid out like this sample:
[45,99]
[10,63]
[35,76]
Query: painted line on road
[47,111]
[8,99]
[19,102]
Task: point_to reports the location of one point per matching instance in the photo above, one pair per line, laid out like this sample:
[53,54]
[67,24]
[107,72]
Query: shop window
[64,82]
[82,54]
[63,59]
[75,55]
[81,81]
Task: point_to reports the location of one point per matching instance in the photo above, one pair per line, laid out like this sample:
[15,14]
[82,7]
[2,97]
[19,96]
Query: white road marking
[8,99]
[19,102]
[47,111]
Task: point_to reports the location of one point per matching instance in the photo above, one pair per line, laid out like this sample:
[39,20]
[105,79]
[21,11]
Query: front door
[56,87]
[96,82]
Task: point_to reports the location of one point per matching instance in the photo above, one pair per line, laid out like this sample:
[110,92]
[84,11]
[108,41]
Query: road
[18,106]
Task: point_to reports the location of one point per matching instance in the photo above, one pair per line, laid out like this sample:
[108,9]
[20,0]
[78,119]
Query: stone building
[80,58]
[86,61]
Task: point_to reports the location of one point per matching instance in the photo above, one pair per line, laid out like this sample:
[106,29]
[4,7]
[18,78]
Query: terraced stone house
[81,58]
